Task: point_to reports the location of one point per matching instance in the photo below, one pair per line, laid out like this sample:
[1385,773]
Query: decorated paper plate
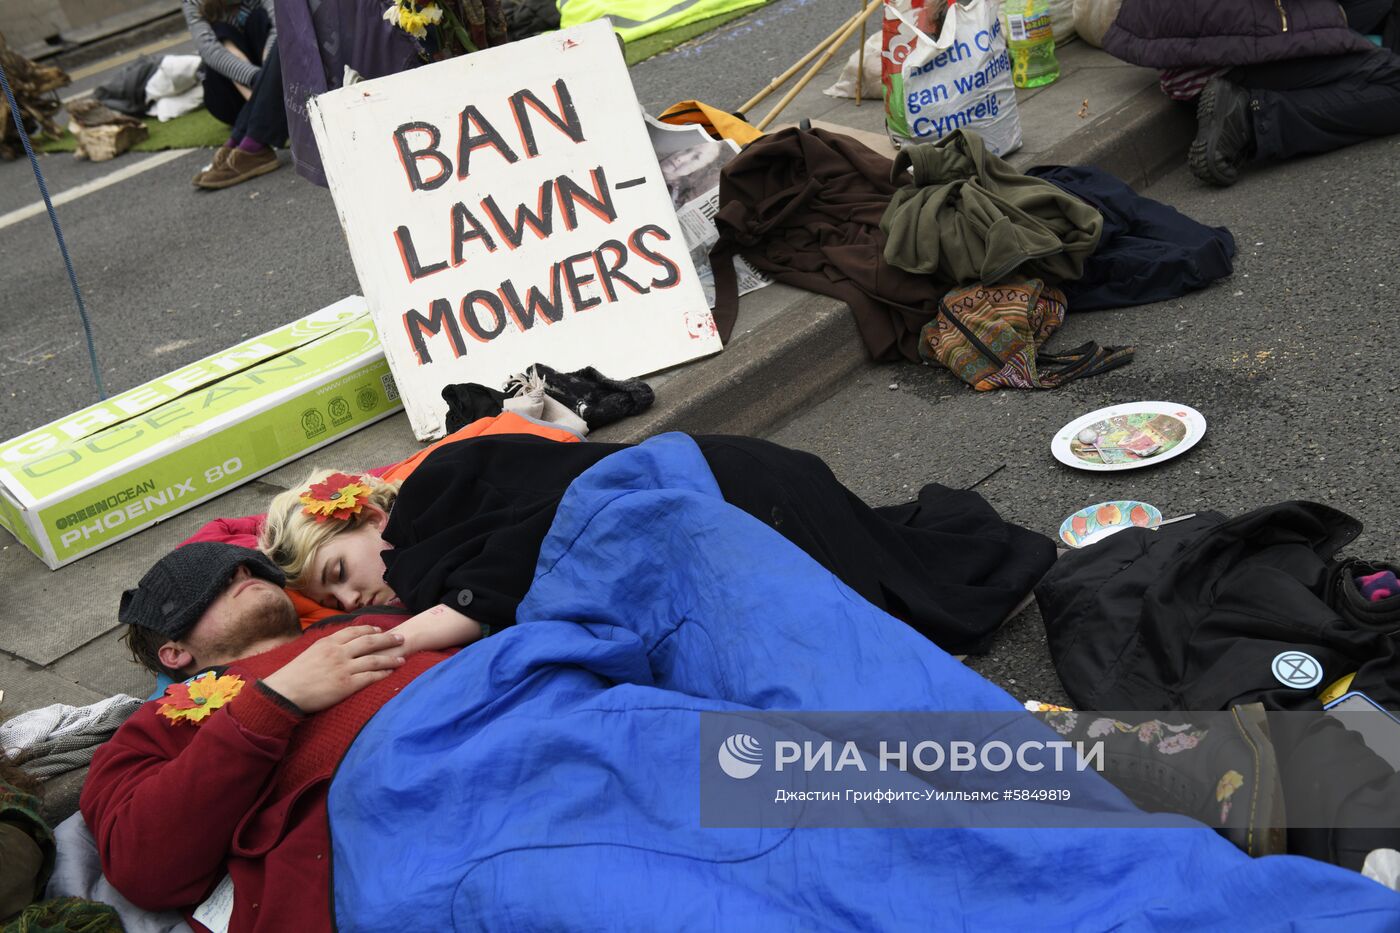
[1128,436]
[1096,522]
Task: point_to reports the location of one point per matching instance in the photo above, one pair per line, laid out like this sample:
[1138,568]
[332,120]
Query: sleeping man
[548,777]
[189,791]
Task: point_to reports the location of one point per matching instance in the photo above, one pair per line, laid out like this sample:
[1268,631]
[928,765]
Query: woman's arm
[437,628]
[236,69]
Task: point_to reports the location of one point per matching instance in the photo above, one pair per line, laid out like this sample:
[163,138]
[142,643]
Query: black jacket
[1210,613]
[467,527]
[1191,616]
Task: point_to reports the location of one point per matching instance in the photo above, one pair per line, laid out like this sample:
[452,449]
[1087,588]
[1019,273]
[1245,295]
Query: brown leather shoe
[220,157]
[238,168]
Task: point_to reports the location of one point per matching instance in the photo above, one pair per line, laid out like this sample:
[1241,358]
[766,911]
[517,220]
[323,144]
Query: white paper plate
[1093,523]
[1128,436]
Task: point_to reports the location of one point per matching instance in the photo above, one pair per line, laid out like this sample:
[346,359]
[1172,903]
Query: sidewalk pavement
[59,631]
[118,23]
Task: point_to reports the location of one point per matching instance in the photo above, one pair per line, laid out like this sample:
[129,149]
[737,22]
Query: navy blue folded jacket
[1147,252]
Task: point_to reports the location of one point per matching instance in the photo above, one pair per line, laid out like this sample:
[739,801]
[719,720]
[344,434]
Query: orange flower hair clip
[194,700]
[338,496]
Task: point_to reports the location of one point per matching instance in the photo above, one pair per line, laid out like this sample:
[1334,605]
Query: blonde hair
[290,537]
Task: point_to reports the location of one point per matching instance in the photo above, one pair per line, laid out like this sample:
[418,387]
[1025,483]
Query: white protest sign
[506,208]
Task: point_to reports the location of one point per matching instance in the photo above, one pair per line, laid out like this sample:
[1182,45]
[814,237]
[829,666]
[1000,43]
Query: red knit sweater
[174,806]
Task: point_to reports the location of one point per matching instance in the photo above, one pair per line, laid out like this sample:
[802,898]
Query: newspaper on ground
[690,163]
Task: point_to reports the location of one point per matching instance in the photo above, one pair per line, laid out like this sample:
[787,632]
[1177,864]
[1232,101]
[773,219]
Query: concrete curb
[86,42]
[800,356]
[1139,141]
[782,366]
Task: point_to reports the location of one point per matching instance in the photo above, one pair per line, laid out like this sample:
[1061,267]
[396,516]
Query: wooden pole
[820,64]
[860,60]
[782,79]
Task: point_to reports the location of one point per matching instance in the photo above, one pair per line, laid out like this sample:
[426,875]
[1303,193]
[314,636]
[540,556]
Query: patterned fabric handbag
[990,337]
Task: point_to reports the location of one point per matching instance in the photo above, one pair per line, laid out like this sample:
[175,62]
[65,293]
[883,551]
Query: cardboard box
[102,474]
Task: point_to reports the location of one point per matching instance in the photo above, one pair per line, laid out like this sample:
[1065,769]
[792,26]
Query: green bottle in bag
[1031,43]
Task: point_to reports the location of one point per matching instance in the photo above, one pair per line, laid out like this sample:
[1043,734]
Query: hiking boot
[1224,133]
[1220,770]
[239,167]
[220,157]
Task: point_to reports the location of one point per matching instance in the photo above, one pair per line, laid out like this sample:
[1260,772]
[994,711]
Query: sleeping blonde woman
[463,532]
[325,538]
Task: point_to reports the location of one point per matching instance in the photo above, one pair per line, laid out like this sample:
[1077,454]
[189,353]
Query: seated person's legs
[222,96]
[1321,104]
[256,115]
[262,121]
[1282,109]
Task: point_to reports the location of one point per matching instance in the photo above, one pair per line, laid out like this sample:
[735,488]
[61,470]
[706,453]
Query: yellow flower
[415,21]
[195,700]
[1230,782]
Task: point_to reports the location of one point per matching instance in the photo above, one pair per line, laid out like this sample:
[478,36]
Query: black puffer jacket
[1199,33]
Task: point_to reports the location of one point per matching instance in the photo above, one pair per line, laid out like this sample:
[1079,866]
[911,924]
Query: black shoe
[1224,133]
[594,397]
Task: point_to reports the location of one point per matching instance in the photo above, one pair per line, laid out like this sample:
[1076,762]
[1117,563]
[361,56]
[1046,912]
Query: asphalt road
[1291,360]
[171,274]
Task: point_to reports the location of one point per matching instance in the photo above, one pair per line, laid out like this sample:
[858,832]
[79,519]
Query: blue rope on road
[58,231]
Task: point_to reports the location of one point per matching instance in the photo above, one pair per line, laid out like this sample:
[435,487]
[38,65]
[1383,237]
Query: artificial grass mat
[195,130]
[199,130]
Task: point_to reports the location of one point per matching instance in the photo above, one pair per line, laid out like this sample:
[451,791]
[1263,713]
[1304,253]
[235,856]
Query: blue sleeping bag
[548,777]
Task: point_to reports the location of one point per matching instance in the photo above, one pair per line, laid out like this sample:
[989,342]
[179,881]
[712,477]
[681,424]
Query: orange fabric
[308,610]
[714,121]
[507,422]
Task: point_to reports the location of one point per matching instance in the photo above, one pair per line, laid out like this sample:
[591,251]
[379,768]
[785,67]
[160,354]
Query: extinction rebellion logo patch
[1297,669]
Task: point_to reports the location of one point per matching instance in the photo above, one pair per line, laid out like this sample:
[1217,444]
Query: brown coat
[804,207]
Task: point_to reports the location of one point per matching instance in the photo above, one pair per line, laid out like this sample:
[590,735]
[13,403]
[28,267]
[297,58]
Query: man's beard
[273,617]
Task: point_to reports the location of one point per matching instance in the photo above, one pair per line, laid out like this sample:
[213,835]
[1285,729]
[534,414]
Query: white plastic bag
[1093,17]
[961,80]
[174,88]
[845,85]
[1062,20]
[175,75]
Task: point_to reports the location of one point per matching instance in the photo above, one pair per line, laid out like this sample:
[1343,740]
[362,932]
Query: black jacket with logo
[1212,612]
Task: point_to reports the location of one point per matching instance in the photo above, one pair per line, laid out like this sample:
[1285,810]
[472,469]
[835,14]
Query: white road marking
[156,160]
[116,61]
